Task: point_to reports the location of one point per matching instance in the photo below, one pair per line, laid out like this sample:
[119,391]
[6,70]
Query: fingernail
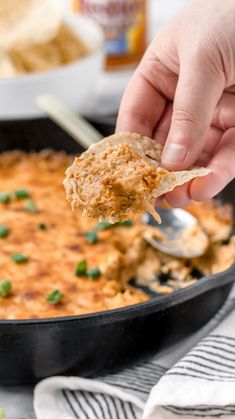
[174,153]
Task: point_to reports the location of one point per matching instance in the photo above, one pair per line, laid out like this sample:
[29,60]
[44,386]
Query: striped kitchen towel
[200,384]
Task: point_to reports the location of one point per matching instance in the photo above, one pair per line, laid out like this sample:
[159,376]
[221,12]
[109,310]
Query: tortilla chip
[120,176]
[167,183]
[144,146]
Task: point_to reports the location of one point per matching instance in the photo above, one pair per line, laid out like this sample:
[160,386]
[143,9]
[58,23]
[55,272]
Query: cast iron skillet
[98,343]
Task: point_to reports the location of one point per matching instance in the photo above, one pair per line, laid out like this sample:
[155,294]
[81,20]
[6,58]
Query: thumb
[197,93]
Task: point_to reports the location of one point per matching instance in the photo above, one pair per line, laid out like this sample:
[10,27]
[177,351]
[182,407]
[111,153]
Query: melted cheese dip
[42,227]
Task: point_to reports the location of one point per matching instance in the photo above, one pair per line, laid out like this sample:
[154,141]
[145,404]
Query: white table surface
[17,402]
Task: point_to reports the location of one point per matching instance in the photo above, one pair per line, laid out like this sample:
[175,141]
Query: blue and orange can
[124,25]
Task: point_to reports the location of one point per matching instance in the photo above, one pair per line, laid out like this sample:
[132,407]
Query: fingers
[223,170]
[179,197]
[211,144]
[161,131]
[224,115]
[197,94]
[141,107]
[145,98]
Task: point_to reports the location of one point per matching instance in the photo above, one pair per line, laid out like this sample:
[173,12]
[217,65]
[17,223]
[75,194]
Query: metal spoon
[179,234]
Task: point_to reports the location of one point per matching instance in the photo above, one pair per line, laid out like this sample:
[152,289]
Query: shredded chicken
[120,177]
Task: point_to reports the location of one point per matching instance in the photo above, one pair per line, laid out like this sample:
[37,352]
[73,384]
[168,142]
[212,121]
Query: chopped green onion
[104,225]
[126,223]
[4,231]
[94,273]
[91,237]
[21,194]
[5,289]
[30,206]
[81,268]
[2,414]
[42,226]
[54,297]
[19,258]
[5,197]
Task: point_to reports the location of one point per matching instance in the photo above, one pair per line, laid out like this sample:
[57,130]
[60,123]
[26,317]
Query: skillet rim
[158,303]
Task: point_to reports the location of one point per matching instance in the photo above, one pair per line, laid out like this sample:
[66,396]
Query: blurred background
[111,84]
[82,51]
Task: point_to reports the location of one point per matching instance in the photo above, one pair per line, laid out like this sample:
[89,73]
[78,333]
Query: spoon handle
[76,126]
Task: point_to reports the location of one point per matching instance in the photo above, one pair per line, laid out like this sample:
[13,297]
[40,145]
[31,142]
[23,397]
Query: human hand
[183,95]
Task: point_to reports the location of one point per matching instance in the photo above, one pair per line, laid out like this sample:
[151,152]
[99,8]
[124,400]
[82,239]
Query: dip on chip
[120,176]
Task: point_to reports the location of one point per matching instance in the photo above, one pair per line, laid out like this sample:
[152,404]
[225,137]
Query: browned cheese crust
[53,254]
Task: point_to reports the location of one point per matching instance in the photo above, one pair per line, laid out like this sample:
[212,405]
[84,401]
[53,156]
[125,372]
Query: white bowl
[72,83]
